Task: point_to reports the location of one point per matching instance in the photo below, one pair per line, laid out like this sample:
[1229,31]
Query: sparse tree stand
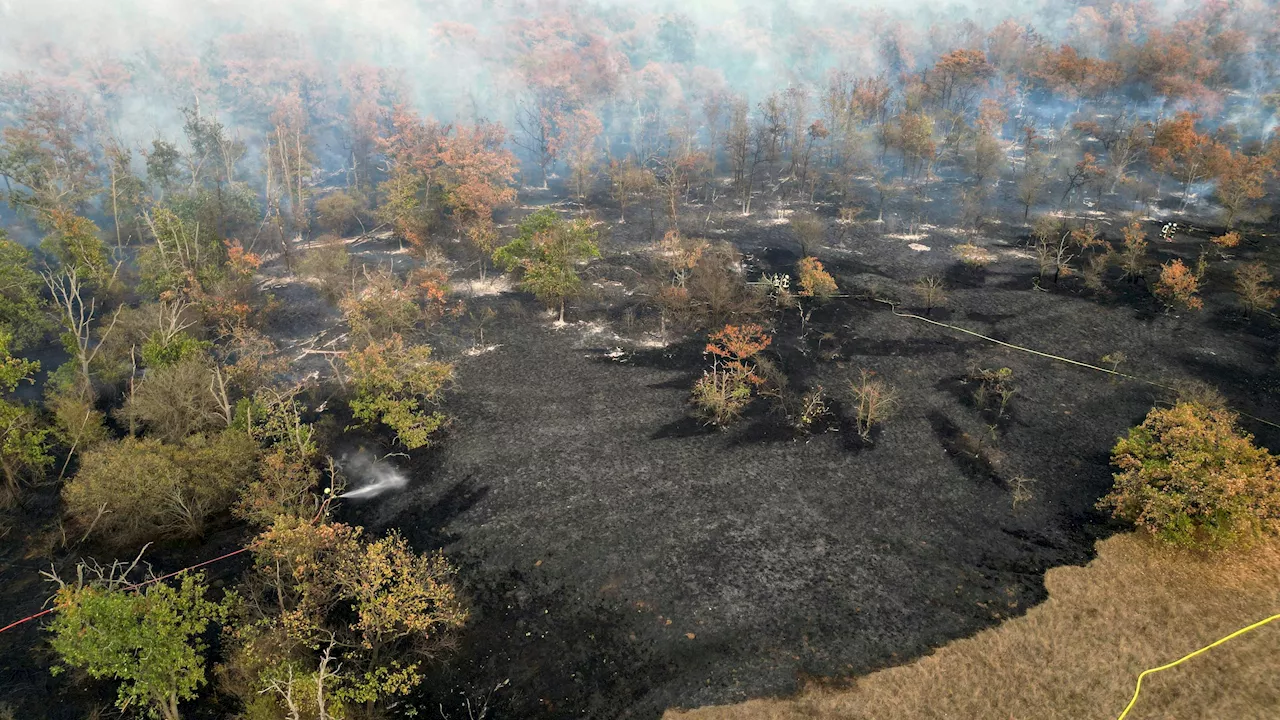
[547,252]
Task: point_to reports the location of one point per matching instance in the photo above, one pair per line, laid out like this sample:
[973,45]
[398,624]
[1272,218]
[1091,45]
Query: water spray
[376,476]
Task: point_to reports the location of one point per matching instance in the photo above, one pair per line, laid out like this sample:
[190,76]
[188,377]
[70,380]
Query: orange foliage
[1178,286]
[739,342]
[815,281]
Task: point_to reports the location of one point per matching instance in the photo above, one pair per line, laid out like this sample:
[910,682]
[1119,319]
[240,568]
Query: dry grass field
[1077,655]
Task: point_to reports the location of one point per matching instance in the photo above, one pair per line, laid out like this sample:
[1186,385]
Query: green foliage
[183,251]
[159,352]
[148,640]
[548,250]
[24,451]
[289,471]
[338,212]
[77,423]
[410,205]
[14,370]
[330,264]
[20,303]
[355,616]
[140,489]
[395,385]
[1191,478]
[23,441]
[385,306]
[75,242]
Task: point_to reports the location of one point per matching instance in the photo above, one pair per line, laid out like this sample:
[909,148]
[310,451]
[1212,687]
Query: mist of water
[374,475]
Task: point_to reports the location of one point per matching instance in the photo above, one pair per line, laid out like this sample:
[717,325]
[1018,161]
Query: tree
[21,315]
[1188,155]
[399,386]
[809,231]
[476,178]
[1253,286]
[583,130]
[540,118]
[1188,476]
[547,251]
[149,640]
[363,613]
[78,317]
[123,191]
[1082,174]
[629,182]
[411,196]
[957,78]
[288,156]
[23,448]
[42,157]
[1240,181]
[75,242]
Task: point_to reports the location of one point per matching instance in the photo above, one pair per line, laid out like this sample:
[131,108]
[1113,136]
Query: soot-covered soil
[624,559]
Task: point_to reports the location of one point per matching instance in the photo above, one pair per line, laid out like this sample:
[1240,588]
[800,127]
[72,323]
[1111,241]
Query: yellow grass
[1077,655]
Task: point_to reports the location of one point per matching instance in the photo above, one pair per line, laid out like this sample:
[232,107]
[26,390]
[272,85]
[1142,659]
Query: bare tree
[78,319]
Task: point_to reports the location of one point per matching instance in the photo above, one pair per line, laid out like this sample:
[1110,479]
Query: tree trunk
[561,311]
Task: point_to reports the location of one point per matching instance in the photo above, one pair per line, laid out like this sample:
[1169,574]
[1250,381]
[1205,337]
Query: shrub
[811,408]
[289,473]
[339,618]
[1253,285]
[873,401]
[722,392]
[140,489]
[1132,256]
[809,230]
[815,281]
[1095,268]
[931,292]
[1178,286]
[338,212]
[995,389]
[385,306]
[973,255]
[398,385]
[1190,477]
[1227,241]
[329,263]
[175,401]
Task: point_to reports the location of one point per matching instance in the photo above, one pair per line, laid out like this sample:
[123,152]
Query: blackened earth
[622,558]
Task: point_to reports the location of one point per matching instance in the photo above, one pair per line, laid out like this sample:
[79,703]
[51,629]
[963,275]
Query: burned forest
[556,358]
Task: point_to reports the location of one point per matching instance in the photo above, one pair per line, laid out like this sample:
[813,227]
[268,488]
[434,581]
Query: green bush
[399,386]
[149,640]
[140,489]
[1191,478]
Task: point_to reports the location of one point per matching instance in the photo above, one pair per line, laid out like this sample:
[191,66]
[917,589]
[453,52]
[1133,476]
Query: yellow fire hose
[1185,658]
